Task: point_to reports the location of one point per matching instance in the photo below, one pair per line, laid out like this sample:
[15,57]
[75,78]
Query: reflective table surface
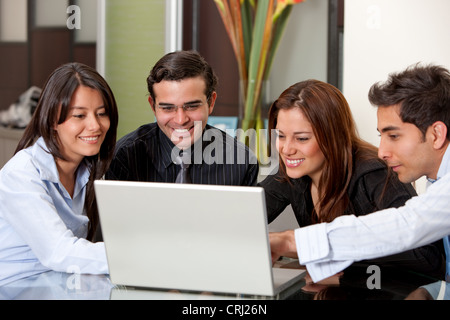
[64,286]
[355,283]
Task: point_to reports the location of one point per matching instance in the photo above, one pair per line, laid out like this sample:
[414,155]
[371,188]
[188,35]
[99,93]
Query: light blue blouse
[41,227]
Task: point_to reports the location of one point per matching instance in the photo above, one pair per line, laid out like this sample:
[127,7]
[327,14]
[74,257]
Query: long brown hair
[55,99]
[334,128]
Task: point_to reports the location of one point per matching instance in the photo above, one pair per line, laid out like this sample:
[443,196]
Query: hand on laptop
[282,244]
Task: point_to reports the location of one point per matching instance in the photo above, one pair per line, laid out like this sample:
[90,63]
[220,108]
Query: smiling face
[85,127]
[183,127]
[404,148]
[297,145]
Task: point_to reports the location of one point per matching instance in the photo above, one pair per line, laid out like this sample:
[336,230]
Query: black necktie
[183,175]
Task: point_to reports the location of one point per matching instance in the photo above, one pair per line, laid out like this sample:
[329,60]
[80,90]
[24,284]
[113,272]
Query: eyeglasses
[187,107]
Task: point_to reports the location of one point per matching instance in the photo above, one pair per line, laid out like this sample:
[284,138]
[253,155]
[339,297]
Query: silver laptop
[189,237]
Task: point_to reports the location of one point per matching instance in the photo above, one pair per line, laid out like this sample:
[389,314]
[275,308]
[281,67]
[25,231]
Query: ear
[212,102]
[438,131]
[152,103]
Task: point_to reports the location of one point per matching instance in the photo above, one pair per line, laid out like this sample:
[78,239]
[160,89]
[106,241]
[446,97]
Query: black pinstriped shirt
[147,154]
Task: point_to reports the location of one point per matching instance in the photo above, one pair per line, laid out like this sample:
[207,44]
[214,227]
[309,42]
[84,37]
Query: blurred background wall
[348,43]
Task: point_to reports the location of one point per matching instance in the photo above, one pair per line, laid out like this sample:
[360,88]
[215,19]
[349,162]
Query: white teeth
[181,130]
[90,139]
[294,162]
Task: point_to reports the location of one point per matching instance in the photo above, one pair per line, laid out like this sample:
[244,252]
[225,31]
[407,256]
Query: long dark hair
[334,128]
[55,99]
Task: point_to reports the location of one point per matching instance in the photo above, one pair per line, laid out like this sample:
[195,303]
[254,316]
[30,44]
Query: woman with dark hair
[326,170]
[48,212]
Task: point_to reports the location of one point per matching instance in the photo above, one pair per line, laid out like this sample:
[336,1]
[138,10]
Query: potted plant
[254,28]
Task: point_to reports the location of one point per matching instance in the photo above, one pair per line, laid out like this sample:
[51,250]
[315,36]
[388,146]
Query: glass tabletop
[356,283]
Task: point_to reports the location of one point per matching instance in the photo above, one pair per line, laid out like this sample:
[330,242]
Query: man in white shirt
[414,124]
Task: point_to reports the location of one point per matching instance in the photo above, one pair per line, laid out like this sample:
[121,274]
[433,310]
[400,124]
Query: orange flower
[281,5]
[255,29]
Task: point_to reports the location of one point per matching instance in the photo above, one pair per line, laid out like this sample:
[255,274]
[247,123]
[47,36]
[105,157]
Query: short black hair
[179,65]
[422,91]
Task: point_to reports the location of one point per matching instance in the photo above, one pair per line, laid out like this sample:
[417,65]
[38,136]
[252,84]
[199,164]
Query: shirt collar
[46,165]
[45,162]
[167,147]
[444,168]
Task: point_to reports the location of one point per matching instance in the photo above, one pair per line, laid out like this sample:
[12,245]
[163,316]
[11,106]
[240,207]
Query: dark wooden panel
[13,72]
[188,25]
[49,49]
[213,44]
[9,96]
[216,47]
[85,53]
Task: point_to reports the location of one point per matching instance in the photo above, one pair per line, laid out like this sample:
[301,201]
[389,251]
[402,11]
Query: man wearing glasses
[182,95]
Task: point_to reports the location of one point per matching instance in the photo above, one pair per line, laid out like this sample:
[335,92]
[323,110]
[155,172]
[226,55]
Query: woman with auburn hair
[326,170]
[48,212]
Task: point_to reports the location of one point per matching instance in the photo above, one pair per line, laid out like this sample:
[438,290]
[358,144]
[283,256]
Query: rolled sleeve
[313,248]
[312,243]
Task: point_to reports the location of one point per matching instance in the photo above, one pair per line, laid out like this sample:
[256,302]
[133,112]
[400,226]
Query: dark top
[147,154]
[365,190]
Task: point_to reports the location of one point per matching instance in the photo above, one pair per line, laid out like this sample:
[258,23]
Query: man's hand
[282,244]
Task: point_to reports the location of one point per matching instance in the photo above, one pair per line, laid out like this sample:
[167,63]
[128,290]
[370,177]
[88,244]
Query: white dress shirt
[328,248]
[41,227]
